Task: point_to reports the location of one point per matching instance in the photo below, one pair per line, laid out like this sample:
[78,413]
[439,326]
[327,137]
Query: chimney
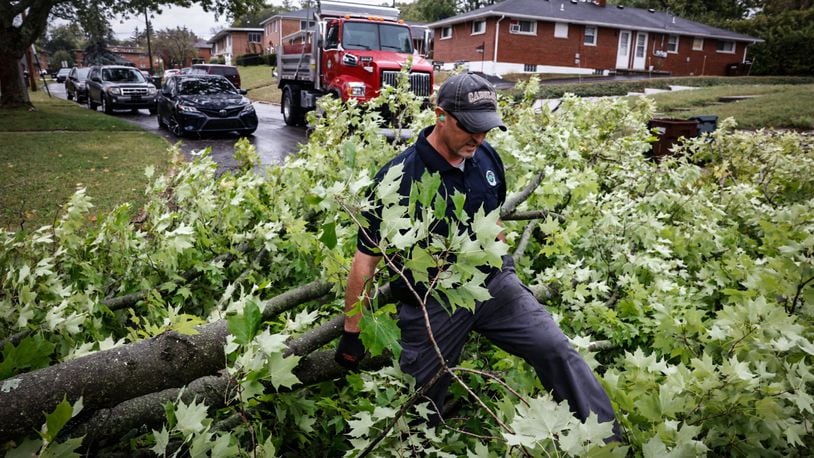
[601,3]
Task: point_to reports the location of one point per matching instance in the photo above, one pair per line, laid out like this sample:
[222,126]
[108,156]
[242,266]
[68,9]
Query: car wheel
[106,106]
[174,127]
[246,133]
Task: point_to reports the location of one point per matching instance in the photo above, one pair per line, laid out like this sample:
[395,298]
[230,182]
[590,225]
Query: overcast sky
[195,19]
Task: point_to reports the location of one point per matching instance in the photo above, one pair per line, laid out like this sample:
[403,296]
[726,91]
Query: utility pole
[149,48]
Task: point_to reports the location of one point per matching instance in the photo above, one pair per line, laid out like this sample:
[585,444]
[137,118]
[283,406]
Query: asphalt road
[273,139]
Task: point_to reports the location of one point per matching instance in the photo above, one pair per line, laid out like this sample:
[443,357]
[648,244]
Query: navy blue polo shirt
[483,181]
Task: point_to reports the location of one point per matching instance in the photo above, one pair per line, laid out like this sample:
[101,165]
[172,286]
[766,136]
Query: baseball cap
[473,102]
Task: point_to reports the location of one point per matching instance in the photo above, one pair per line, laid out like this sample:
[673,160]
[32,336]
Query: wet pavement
[273,139]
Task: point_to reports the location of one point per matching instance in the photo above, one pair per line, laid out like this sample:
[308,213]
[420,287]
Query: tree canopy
[24,22]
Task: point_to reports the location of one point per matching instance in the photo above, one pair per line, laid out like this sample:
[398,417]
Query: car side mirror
[243,91]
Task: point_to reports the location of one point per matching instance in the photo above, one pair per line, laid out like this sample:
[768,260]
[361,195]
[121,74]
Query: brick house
[283,24]
[580,37]
[236,41]
[204,52]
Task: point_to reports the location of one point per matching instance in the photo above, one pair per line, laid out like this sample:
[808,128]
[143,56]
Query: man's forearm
[361,272]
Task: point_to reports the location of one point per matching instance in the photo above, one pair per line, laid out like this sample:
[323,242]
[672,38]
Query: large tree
[176,46]
[22,22]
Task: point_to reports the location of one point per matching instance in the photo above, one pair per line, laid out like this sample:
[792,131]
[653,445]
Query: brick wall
[543,49]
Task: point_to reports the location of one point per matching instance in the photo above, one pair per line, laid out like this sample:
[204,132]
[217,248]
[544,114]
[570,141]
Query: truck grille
[134,91]
[419,82]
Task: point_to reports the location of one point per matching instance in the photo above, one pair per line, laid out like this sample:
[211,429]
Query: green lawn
[45,154]
[773,106]
[261,84]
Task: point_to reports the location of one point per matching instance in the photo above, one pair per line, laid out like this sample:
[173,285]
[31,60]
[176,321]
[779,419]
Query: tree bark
[108,378]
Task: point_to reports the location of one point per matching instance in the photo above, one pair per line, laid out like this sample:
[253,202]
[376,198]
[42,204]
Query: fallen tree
[664,267]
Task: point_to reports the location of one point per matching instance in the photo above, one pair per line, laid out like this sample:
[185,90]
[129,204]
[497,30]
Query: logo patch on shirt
[490,178]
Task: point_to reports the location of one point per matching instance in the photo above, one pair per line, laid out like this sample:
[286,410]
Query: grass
[47,153]
[774,106]
[260,84]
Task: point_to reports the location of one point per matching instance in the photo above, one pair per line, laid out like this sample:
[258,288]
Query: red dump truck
[351,51]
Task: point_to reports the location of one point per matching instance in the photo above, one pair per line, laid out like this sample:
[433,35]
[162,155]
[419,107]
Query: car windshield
[377,37]
[122,75]
[206,86]
[82,73]
[64,71]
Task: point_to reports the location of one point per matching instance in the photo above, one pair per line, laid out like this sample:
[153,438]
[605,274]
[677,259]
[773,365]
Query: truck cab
[352,53]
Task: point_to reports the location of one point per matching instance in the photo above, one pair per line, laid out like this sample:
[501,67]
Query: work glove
[350,350]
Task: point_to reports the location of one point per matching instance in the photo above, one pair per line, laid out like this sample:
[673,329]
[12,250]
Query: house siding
[550,54]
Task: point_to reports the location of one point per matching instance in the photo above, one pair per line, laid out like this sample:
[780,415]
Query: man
[512,319]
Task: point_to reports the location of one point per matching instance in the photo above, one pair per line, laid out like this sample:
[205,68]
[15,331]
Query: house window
[590,35]
[228,41]
[560,30]
[523,27]
[478,27]
[274,26]
[446,33]
[307,24]
[530,68]
[697,44]
[255,37]
[726,46]
[672,44]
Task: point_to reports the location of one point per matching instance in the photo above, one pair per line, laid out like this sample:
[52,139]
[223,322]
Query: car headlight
[356,89]
[151,90]
[186,108]
[115,91]
[249,108]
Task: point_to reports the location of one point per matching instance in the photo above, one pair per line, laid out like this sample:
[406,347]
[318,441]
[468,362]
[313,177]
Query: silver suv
[119,87]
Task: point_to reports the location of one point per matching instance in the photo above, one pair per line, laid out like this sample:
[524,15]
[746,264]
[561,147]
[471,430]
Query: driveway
[273,139]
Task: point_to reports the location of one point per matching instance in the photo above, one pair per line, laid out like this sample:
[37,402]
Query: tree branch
[515,200]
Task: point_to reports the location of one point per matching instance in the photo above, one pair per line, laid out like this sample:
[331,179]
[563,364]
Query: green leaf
[380,331]
[190,417]
[328,237]
[281,370]
[65,449]
[55,420]
[244,327]
[33,352]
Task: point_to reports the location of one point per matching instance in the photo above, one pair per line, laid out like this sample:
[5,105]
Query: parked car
[62,74]
[204,103]
[119,87]
[76,84]
[230,72]
[170,72]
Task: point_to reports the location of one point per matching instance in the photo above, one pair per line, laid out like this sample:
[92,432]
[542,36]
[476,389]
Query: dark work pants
[514,321]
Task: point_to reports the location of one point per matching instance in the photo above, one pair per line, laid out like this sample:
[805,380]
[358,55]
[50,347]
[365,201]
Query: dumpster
[668,131]
[706,123]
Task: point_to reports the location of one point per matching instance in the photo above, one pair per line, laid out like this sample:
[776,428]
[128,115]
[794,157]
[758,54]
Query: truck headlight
[151,90]
[115,91]
[356,89]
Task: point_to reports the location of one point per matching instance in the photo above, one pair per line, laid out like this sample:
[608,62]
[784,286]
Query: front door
[640,51]
[623,53]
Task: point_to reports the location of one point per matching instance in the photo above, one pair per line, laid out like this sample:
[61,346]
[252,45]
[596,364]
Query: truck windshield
[376,37]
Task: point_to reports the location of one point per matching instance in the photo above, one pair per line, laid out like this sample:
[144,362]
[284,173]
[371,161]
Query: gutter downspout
[497,39]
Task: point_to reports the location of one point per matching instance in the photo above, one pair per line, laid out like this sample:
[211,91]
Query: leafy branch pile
[206,323]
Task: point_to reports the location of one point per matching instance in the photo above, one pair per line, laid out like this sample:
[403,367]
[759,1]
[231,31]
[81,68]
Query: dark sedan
[76,84]
[204,103]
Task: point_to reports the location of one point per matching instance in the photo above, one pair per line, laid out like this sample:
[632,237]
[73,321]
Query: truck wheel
[292,113]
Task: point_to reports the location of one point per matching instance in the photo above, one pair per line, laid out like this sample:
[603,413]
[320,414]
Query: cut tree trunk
[108,378]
